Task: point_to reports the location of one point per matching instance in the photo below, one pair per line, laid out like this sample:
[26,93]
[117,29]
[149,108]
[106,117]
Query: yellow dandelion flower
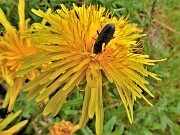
[13,48]
[63,128]
[8,120]
[87,47]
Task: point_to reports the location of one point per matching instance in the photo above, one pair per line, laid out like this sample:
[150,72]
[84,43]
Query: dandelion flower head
[13,48]
[63,128]
[69,44]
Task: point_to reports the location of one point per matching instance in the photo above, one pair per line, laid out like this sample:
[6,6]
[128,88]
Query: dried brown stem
[166,26]
[111,106]
[36,129]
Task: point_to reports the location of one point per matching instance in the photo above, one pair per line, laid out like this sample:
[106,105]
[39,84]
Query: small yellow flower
[63,128]
[69,43]
[8,120]
[13,48]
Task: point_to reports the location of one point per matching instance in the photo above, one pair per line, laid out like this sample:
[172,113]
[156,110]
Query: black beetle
[104,37]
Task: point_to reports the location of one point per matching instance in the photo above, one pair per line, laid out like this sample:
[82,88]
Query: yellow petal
[9,119]
[21,6]
[55,103]
[84,117]
[14,91]
[5,22]
[15,128]
[99,108]
[92,102]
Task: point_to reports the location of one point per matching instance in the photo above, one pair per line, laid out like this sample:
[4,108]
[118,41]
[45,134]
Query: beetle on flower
[69,45]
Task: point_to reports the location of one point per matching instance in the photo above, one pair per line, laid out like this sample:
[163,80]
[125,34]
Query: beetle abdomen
[104,37]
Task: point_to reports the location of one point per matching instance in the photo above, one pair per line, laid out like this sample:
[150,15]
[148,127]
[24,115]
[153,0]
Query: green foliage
[28,108]
[164,117]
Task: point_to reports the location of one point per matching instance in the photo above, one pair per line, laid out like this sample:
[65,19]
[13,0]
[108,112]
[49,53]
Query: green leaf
[87,131]
[75,102]
[108,127]
[147,132]
[156,126]
[163,121]
[119,130]
[70,112]
[27,107]
[174,109]
[175,130]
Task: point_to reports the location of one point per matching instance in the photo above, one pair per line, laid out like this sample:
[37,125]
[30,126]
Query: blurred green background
[160,20]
